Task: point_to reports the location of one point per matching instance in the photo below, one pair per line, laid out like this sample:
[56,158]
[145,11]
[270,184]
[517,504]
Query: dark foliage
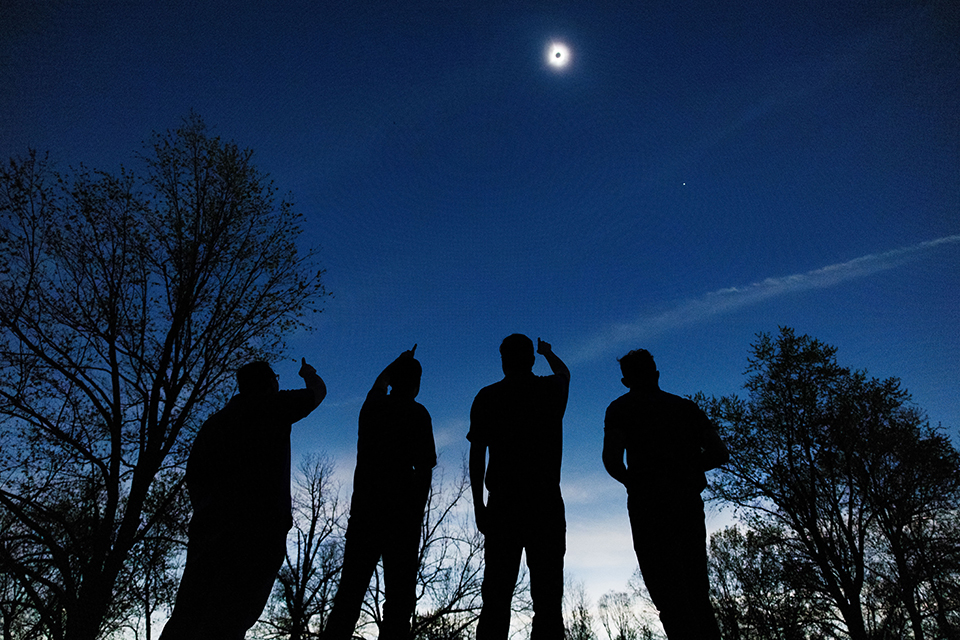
[848,488]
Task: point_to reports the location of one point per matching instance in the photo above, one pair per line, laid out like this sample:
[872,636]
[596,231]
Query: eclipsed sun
[558,54]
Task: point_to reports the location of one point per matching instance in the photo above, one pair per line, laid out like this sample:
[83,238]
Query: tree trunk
[853,617]
[86,617]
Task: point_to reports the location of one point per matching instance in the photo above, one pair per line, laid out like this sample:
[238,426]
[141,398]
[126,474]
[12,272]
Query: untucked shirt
[520,420]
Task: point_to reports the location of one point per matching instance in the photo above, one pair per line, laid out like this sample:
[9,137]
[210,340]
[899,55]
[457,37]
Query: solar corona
[558,55]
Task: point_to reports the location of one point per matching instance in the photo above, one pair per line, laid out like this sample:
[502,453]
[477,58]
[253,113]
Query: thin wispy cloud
[696,310]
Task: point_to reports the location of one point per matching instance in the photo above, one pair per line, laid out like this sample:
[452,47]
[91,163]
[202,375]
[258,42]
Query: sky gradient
[697,173]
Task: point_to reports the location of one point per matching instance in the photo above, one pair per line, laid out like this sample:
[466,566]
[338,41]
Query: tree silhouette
[848,482]
[578,620]
[755,589]
[451,561]
[622,616]
[127,303]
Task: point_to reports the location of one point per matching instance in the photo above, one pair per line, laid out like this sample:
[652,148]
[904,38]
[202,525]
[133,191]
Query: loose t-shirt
[395,439]
[520,420]
[239,466]
[665,437]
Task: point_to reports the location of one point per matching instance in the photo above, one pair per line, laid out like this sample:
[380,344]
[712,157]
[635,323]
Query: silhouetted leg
[195,581]
[545,560]
[544,540]
[501,557]
[225,585]
[401,560]
[694,616]
[258,560]
[360,555]
[670,542]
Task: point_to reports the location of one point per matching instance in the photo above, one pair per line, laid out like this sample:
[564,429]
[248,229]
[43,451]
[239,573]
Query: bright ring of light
[558,55]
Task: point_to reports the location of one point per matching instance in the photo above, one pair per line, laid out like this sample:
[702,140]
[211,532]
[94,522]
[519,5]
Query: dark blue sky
[698,173]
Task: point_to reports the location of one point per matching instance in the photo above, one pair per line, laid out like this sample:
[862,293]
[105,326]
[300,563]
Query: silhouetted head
[257,378]
[516,354]
[638,369]
[405,377]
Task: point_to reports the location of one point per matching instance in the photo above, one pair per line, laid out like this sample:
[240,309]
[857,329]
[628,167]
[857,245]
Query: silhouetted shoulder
[675,400]
[620,403]
[515,402]
[657,400]
[422,412]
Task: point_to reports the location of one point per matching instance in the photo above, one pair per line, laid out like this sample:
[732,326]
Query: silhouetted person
[669,443]
[238,479]
[395,458]
[519,420]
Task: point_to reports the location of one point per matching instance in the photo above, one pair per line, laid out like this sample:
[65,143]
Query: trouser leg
[671,550]
[263,561]
[545,560]
[225,585]
[501,559]
[360,556]
[401,561]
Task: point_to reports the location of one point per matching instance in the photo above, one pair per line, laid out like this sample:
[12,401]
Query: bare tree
[912,476]
[127,302]
[451,560]
[19,619]
[578,619]
[617,616]
[152,572]
[307,582]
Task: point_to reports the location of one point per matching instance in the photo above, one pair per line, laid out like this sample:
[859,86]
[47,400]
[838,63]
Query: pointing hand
[306,369]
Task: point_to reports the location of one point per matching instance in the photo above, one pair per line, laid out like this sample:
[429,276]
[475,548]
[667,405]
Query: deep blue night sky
[699,172]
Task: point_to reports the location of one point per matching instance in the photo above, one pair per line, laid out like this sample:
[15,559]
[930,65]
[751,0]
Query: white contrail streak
[725,300]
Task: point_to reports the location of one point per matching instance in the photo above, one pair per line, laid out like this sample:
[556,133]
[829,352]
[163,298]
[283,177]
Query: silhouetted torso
[239,467]
[520,419]
[669,442]
[238,479]
[664,436]
[391,485]
[395,438]
[516,449]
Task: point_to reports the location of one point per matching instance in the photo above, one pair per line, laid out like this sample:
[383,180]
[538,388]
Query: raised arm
[556,364]
[382,383]
[312,381]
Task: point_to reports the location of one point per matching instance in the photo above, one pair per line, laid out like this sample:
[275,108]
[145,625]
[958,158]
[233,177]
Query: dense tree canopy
[850,488]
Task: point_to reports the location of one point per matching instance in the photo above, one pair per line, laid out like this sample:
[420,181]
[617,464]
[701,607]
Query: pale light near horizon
[558,54]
